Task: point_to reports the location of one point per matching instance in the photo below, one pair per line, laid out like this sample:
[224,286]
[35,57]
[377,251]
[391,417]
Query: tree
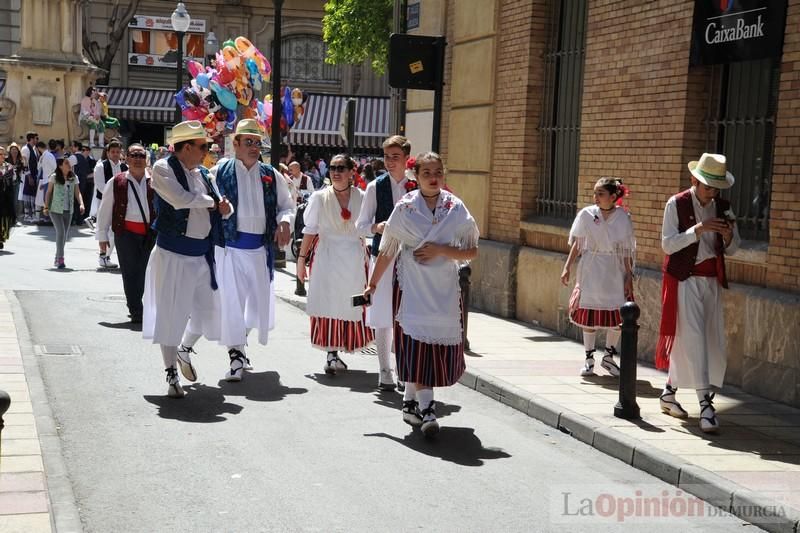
[358,30]
[116,25]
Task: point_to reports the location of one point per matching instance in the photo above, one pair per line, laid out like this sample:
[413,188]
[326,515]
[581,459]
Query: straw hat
[189,130]
[712,171]
[248,126]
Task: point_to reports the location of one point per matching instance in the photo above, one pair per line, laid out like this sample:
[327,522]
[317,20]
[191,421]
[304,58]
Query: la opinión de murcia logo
[719,30]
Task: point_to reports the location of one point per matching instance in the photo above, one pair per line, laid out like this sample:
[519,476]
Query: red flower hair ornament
[411,185]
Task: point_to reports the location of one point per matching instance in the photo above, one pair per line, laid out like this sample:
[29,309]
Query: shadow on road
[356,380]
[453,444]
[259,387]
[122,325]
[203,404]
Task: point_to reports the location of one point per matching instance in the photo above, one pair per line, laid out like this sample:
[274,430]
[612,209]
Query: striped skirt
[591,318]
[335,334]
[432,365]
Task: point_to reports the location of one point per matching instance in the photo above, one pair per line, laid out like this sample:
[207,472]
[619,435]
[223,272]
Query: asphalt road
[288,449]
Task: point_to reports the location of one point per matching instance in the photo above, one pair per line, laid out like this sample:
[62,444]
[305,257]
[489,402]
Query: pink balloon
[194,68]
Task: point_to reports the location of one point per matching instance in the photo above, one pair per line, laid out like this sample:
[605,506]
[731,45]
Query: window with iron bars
[560,126]
[303,60]
[740,124]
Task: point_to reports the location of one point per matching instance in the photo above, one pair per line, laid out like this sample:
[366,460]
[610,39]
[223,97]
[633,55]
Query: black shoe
[411,414]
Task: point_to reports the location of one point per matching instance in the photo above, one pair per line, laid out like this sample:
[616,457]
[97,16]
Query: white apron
[429,311]
[339,270]
[604,245]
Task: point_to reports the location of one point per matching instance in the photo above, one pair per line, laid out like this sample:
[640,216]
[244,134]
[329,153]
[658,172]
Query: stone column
[48,72]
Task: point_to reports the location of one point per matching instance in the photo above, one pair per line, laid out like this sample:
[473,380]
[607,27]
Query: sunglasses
[251,142]
[339,168]
[203,147]
[137,155]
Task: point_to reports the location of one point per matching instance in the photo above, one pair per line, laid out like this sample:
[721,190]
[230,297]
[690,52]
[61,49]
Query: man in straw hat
[699,229]
[180,299]
[262,213]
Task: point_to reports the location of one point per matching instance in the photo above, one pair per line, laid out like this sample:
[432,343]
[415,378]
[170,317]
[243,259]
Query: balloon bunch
[221,94]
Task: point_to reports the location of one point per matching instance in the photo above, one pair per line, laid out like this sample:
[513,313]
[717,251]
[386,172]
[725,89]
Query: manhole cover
[58,350]
[107,298]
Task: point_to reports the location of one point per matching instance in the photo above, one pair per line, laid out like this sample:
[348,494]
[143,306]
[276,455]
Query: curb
[706,485]
[63,507]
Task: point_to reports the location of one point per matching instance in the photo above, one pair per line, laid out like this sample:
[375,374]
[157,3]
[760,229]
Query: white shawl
[429,311]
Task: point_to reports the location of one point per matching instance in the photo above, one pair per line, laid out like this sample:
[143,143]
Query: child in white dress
[602,236]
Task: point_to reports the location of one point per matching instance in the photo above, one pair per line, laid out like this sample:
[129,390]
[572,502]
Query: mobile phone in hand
[359,300]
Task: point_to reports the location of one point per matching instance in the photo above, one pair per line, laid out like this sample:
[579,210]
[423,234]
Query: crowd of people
[196,234]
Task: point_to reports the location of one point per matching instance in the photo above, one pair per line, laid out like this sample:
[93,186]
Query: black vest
[109,173]
[385,206]
[33,161]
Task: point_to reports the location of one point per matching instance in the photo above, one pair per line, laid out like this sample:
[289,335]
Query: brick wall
[783,256]
[519,80]
[635,107]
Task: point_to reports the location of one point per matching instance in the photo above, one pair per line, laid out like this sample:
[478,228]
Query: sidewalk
[751,468]
[24,502]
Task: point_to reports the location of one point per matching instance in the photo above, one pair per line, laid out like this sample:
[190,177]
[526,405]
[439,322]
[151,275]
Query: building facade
[542,97]
[142,77]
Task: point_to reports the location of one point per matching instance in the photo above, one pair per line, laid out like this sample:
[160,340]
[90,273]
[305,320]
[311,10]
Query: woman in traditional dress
[14,158]
[431,233]
[339,268]
[8,200]
[602,235]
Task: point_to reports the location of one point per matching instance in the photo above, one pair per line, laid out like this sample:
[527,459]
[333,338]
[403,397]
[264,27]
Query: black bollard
[463,281]
[5,403]
[626,406]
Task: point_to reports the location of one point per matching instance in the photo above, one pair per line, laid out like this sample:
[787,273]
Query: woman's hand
[629,286]
[368,292]
[301,268]
[565,276]
[427,252]
[82,209]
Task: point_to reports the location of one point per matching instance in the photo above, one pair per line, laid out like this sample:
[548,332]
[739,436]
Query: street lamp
[212,45]
[180,23]
[275,138]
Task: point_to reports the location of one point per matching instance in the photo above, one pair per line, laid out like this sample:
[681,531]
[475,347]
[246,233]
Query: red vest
[680,263]
[121,202]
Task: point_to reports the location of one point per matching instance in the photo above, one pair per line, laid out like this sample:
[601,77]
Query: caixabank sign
[725,31]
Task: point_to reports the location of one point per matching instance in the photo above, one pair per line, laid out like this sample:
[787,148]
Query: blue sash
[253,241]
[190,247]
[246,241]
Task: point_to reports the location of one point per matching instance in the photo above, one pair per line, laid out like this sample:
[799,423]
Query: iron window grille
[303,60]
[740,124]
[560,125]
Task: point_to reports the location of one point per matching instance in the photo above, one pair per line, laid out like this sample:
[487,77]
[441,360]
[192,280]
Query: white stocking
[91,137]
[170,355]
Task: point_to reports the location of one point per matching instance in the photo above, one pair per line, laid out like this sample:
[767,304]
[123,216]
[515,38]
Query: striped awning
[141,105]
[320,123]
[2,85]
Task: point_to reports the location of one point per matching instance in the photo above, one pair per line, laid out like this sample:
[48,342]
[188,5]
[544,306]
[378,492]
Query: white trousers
[246,293]
[178,297]
[698,357]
